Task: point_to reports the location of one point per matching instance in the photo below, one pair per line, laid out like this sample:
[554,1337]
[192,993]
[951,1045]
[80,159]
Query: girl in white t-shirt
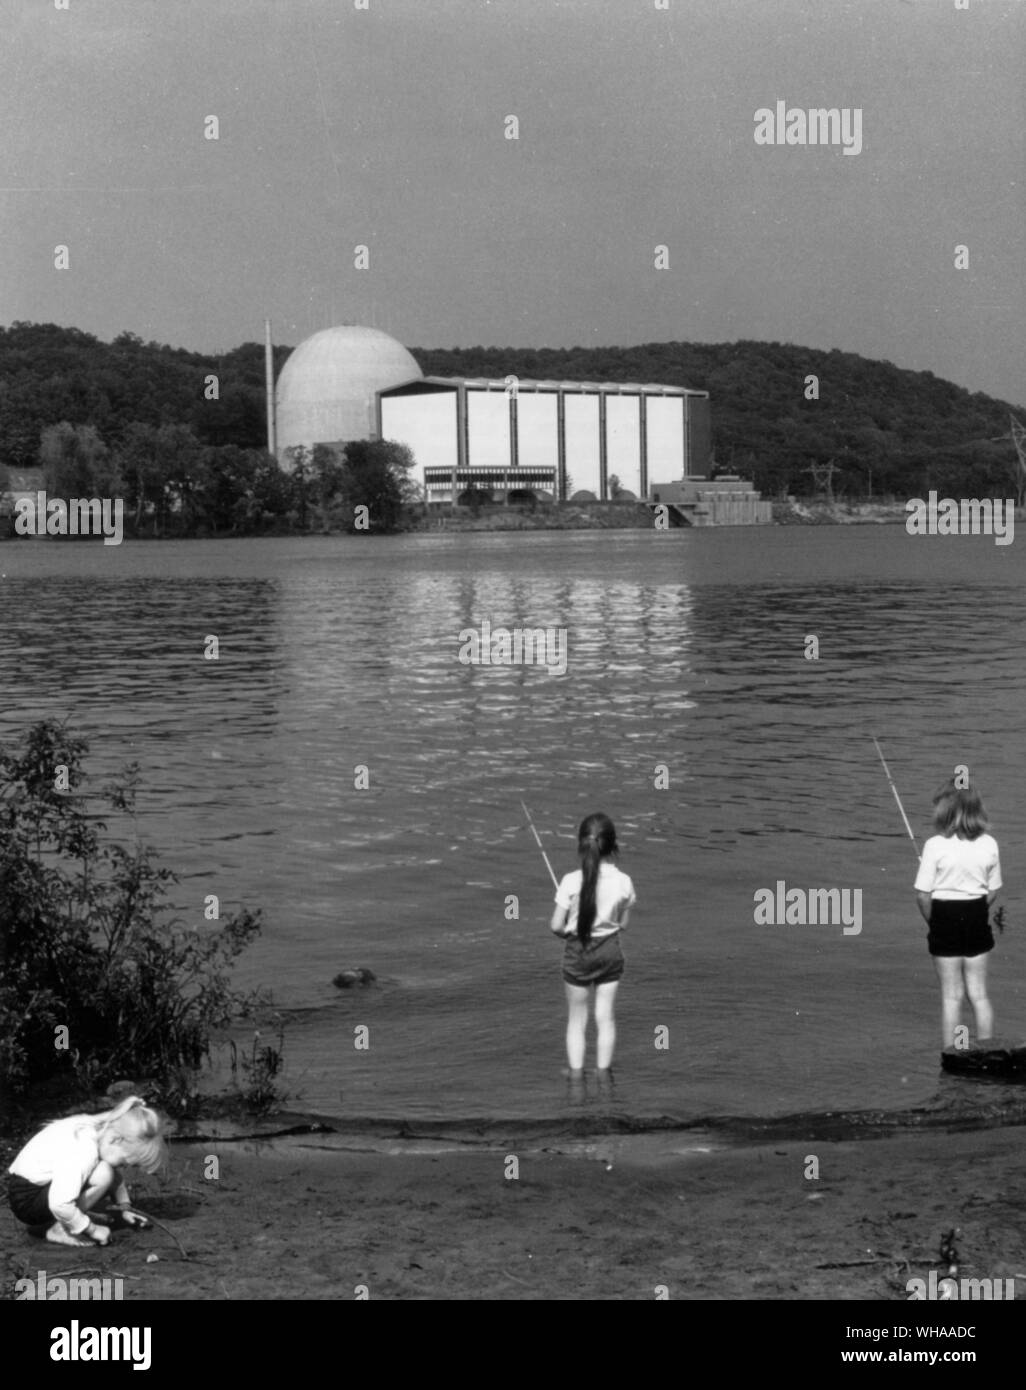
[592,907]
[958,879]
[60,1175]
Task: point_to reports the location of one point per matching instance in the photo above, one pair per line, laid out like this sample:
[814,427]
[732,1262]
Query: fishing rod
[897,798]
[534,832]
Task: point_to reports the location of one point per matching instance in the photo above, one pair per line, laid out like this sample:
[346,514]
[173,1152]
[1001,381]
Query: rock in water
[986,1059]
[348,978]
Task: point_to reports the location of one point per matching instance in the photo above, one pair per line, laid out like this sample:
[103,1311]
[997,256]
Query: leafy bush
[86,943]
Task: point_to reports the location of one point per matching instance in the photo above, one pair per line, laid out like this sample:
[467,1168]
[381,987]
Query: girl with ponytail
[61,1174]
[593,904]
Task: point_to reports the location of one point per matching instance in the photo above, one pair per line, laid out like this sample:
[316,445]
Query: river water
[686,651]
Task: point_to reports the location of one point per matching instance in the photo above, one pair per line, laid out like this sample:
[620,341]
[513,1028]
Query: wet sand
[326,1216]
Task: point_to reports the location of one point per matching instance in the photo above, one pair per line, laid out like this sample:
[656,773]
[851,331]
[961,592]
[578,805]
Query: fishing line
[534,832]
[896,797]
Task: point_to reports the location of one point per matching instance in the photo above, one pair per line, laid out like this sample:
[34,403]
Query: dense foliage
[191,465]
[96,980]
[137,421]
[49,374]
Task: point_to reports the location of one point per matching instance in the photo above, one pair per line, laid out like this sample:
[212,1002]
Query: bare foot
[59,1236]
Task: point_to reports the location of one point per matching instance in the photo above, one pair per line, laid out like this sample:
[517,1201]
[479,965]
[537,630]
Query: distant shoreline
[594,516]
[563,516]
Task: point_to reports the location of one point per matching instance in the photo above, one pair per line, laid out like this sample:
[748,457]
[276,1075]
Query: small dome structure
[326,390]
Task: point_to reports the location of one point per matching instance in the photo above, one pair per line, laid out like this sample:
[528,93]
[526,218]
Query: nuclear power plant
[507,438]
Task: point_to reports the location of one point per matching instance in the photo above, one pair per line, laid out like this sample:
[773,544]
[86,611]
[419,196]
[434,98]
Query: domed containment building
[508,438]
[327,390]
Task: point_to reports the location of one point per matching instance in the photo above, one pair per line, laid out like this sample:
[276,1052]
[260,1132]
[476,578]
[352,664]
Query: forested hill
[910,428]
[902,431]
[49,374]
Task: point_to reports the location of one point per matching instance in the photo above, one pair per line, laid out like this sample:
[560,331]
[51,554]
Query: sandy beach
[326,1216]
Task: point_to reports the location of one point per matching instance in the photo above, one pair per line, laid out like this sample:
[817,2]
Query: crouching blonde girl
[61,1174]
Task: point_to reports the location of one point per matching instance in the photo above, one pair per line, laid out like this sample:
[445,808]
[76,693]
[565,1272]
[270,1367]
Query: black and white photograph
[511,670]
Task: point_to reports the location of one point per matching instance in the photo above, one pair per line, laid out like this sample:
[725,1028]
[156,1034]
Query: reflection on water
[685,665]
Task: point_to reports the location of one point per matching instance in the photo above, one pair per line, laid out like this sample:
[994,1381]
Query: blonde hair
[140,1129]
[959,811]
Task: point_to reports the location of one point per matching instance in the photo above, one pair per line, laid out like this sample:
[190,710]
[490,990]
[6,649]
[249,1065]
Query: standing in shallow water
[593,904]
[959,877]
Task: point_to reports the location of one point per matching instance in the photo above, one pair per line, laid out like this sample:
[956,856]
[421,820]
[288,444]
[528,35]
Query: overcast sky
[386,127]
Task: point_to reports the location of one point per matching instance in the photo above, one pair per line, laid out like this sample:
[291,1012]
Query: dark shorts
[598,963]
[30,1201]
[960,927]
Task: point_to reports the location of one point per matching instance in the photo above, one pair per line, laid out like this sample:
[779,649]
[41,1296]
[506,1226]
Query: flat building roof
[480,383]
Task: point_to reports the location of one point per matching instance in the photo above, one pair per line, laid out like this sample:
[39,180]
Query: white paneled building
[552,438]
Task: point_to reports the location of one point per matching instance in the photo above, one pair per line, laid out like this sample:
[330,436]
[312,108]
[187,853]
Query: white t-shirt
[64,1154]
[953,869]
[614,894]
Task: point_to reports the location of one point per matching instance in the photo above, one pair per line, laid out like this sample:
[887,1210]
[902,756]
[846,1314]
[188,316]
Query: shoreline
[564,516]
[1004,1107]
[299,1218]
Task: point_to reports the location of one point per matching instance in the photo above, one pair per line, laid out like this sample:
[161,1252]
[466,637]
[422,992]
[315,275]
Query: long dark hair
[596,840]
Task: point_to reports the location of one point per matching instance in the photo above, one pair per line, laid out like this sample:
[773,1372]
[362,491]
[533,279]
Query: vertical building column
[643,444]
[514,441]
[560,446]
[686,421]
[603,486]
[461,439]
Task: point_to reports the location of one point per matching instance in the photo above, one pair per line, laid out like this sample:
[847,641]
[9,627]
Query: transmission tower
[823,477]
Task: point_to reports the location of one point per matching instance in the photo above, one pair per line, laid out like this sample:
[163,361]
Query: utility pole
[269,382]
[1019,440]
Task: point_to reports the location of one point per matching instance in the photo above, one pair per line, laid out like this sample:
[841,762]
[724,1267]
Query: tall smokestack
[269,374]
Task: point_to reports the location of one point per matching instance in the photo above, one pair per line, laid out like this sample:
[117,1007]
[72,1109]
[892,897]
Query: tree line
[174,486]
[187,432]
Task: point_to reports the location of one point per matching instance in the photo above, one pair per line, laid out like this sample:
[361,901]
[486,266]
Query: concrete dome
[326,390]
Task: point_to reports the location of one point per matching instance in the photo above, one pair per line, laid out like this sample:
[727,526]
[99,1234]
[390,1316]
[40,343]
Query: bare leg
[976,988]
[949,972]
[101,1181]
[605,1021]
[577,1022]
